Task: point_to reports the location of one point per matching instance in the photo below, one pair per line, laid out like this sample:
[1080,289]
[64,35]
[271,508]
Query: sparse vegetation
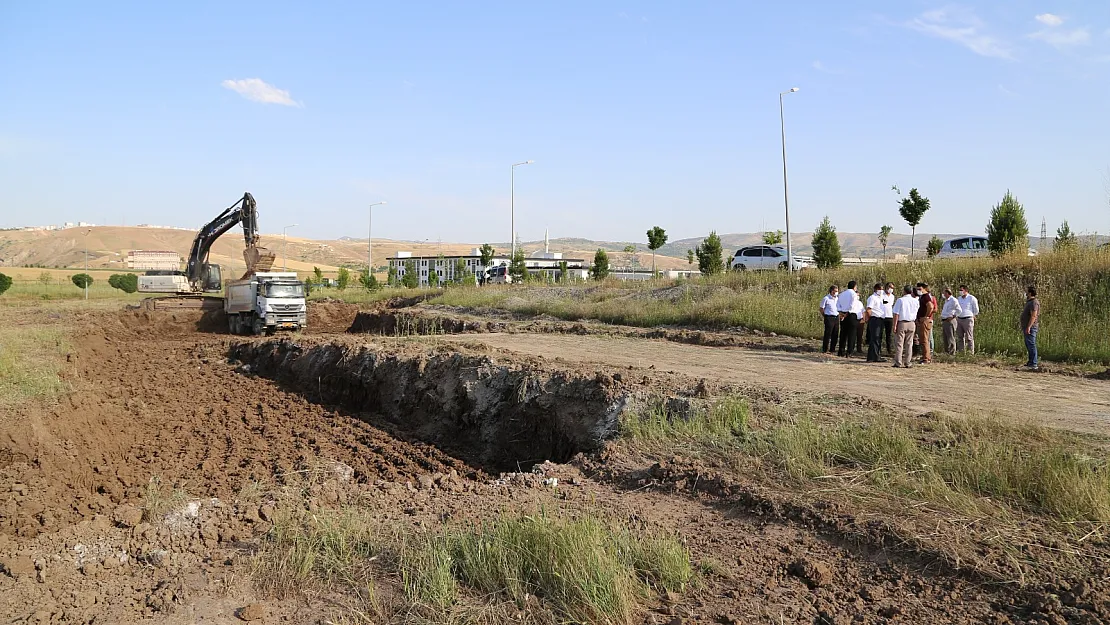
[31,361]
[343,278]
[1065,240]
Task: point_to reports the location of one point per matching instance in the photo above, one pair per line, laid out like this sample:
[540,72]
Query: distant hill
[108,247]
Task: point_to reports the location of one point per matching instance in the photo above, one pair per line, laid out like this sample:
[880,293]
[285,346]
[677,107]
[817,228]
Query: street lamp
[512,205]
[285,246]
[87,264]
[370,241]
[785,188]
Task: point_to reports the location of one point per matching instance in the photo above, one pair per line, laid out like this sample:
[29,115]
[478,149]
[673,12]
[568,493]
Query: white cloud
[258,90]
[1049,19]
[961,26]
[1063,38]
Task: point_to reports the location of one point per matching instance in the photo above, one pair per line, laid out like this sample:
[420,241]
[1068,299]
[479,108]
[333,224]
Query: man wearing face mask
[924,326]
[874,319]
[888,316]
[949,313]
[847,305]
[965,325]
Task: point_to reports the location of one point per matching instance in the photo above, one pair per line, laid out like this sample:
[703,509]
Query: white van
[964,246]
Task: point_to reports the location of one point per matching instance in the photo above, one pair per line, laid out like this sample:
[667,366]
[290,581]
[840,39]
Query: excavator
[201,276]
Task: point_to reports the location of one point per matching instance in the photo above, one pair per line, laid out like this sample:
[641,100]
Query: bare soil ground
[145,492]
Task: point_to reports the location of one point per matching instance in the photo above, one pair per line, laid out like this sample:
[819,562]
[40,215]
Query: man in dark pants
[1030,324]
[888,316]
[873,316]
[832,320]
[846,305]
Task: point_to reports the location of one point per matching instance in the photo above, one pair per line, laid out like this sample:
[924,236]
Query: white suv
[763,257]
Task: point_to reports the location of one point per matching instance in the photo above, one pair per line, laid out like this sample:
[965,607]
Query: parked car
[764,257]
[969,246]
[498,275]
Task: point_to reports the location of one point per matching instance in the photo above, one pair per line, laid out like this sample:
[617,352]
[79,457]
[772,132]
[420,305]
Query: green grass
[1074,291]
[585,568]
[969,464]
[62,289]
[32,358]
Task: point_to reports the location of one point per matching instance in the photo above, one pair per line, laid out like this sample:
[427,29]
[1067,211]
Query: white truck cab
[265,302]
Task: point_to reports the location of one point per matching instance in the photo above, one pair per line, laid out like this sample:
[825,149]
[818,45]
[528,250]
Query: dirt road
[1072,403]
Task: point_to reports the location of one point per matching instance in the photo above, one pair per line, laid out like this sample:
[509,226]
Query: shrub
[82,280]
[826,246]
[600,268]
[933,247]
[126,282]
[710,255]
[1065,239]
[411,279]
[5,283]
[343,278]
[1007,230]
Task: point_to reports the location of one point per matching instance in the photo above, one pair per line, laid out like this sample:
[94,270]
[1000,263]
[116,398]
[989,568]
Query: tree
[600,268]
[1007,231]
[933,247]
[1065,239]
[318,275]
[411,279]
[773,238]
[45,278]
[657,238]
[564,272]
[826,246]
[631,251]
[433,278]
[884,238]
[391,278]
[5,283]
[487,253]
[343,278]
[367,280]
[912,209]
[126,282]
[518,269]
[690,257]
[82,280]
[710,255]
[461,272]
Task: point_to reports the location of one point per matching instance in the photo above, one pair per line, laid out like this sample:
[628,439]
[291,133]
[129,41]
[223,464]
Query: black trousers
[875,327]
[848,337]
[888,330]
[832,333]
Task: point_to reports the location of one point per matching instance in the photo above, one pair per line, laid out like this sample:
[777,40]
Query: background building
[147,260]
[545,266]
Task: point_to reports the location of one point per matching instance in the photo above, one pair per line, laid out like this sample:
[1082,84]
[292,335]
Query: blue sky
[637,114]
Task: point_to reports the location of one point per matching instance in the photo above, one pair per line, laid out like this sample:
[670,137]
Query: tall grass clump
[960,463]
[585,569]
[722,420]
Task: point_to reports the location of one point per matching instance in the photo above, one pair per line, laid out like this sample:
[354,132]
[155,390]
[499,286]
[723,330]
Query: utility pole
[512,205]
[87,264]
[370,240]
[785,187]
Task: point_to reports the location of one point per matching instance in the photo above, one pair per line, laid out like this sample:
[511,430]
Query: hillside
[108,247]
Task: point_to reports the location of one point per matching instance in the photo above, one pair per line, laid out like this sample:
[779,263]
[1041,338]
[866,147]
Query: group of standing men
[901,323]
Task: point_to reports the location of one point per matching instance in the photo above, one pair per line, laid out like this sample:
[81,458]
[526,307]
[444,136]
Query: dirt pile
[497,415]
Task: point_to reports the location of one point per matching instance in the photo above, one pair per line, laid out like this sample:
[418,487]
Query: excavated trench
[495,415]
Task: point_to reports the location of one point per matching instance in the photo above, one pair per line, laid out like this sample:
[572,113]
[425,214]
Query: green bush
[126,282]
[82,280]
[5,283]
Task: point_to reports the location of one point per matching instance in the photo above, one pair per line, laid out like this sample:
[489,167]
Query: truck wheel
[232,326]
[257,328]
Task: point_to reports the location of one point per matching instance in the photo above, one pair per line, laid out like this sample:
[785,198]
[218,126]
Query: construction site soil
[167,408]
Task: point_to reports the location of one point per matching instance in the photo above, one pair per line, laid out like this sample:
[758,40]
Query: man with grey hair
[949,316]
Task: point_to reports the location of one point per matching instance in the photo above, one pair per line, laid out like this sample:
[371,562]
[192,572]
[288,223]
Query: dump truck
[265,302]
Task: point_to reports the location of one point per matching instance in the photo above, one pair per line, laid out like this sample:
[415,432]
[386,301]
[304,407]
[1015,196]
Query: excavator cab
[211,278]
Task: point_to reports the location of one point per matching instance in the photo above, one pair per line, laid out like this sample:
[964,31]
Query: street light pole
[370,240]
[285,247]
[512,206]
[785,187]
[87,264]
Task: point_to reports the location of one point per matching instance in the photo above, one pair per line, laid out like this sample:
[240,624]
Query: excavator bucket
[258,259]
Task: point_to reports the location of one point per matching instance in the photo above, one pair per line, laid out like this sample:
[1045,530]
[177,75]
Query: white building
[162,260]
[543,265]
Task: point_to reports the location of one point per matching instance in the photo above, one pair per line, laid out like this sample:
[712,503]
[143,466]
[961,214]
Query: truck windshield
[284,290]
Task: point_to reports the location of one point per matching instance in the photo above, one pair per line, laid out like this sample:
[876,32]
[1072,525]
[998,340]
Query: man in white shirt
[873,317]
[888,317]
[949,314]
[965,324]
[905,316]
[847,306]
